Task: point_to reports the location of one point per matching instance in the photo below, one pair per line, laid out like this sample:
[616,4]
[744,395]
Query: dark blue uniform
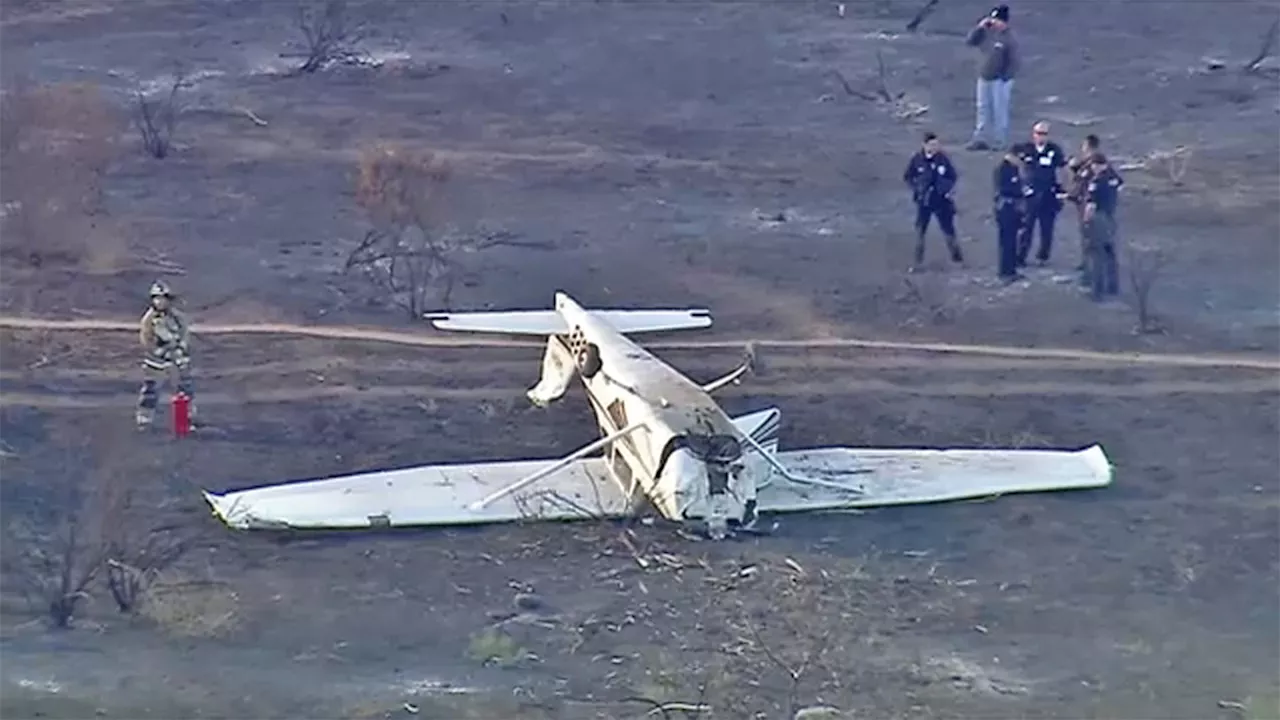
[932,180]
[1101,269]
[1011,192]
[1043,206]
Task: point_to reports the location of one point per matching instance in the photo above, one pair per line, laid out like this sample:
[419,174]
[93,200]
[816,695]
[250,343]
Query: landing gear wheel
[717,528]
[589,360]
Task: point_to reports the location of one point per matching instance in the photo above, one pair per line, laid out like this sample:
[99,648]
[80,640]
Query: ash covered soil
[653,146]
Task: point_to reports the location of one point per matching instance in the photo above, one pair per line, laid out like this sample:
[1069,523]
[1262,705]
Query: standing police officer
[1103,195]
[1011,196]
[1044,160]
[1081,170]
[932,179]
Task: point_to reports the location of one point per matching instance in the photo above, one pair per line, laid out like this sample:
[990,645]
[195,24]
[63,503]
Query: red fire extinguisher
[181,414]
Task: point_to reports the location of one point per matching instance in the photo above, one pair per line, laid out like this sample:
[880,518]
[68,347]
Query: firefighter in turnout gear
[164,334]
[932,179]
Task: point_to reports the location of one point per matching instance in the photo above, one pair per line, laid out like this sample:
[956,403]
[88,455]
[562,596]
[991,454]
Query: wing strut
[558,465]
[748,364]
[768,456]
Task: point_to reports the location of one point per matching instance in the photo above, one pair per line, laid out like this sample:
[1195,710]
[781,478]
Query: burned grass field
[745,157]
[1023,606]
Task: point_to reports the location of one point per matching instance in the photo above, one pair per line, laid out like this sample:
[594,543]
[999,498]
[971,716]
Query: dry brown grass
[56,145]
[184,606]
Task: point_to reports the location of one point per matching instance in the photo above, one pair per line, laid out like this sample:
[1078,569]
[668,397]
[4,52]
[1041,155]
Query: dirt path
[1255,362]
[277,394]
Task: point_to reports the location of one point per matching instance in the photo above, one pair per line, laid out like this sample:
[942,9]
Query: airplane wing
[907,476]
[428,495]
[549,322]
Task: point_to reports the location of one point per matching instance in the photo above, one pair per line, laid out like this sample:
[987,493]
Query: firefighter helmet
[161,288]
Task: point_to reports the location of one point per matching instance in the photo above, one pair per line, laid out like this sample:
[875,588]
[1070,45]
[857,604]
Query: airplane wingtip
[215,503]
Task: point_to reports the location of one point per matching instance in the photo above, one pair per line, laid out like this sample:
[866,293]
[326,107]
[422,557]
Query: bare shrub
[156,115]
[411,253]
[329,35]
[1146,264]
[881,93]
[88,527]
[137,554]
[56,550]
[56,144]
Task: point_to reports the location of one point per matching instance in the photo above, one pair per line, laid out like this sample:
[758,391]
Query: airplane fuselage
[685,456]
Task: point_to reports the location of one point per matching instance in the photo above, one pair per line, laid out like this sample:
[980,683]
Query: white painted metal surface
[430,495]
[446,494]
[551,322]
[910,477]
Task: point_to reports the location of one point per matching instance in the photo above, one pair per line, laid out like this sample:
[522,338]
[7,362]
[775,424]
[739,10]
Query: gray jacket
[1000,58]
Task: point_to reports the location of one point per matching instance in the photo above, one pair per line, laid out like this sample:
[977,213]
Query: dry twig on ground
[881,93]
[1264,51]
[922,14]
[156,116]
[1173,163]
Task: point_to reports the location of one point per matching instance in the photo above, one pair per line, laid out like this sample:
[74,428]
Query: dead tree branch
[922,14]
[156,118]
[411,253]
[881,93]
[132,566]
[1173,162]
[1146,264]
[54,569]
[882,81]
[329,35]
[1264,52]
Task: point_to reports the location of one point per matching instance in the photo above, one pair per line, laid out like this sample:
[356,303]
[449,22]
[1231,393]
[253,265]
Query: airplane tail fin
[552,322]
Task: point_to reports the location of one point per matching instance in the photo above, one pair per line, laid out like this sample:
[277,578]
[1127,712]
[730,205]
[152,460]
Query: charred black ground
[671,154]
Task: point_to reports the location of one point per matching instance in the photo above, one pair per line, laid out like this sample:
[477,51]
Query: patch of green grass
[494,647]
[1262,707]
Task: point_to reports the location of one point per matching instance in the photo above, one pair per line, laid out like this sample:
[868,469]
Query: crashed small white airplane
[664,441]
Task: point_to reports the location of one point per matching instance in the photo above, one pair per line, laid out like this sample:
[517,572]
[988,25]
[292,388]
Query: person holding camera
[998,64]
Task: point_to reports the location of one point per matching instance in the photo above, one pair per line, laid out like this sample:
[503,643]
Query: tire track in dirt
[42,399]
[341,332]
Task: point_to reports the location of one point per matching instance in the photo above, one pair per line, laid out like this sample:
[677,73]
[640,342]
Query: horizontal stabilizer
[762,426]
[549,322]
[878,478]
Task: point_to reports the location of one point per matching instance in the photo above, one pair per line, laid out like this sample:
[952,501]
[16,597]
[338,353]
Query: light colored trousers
[993,100]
